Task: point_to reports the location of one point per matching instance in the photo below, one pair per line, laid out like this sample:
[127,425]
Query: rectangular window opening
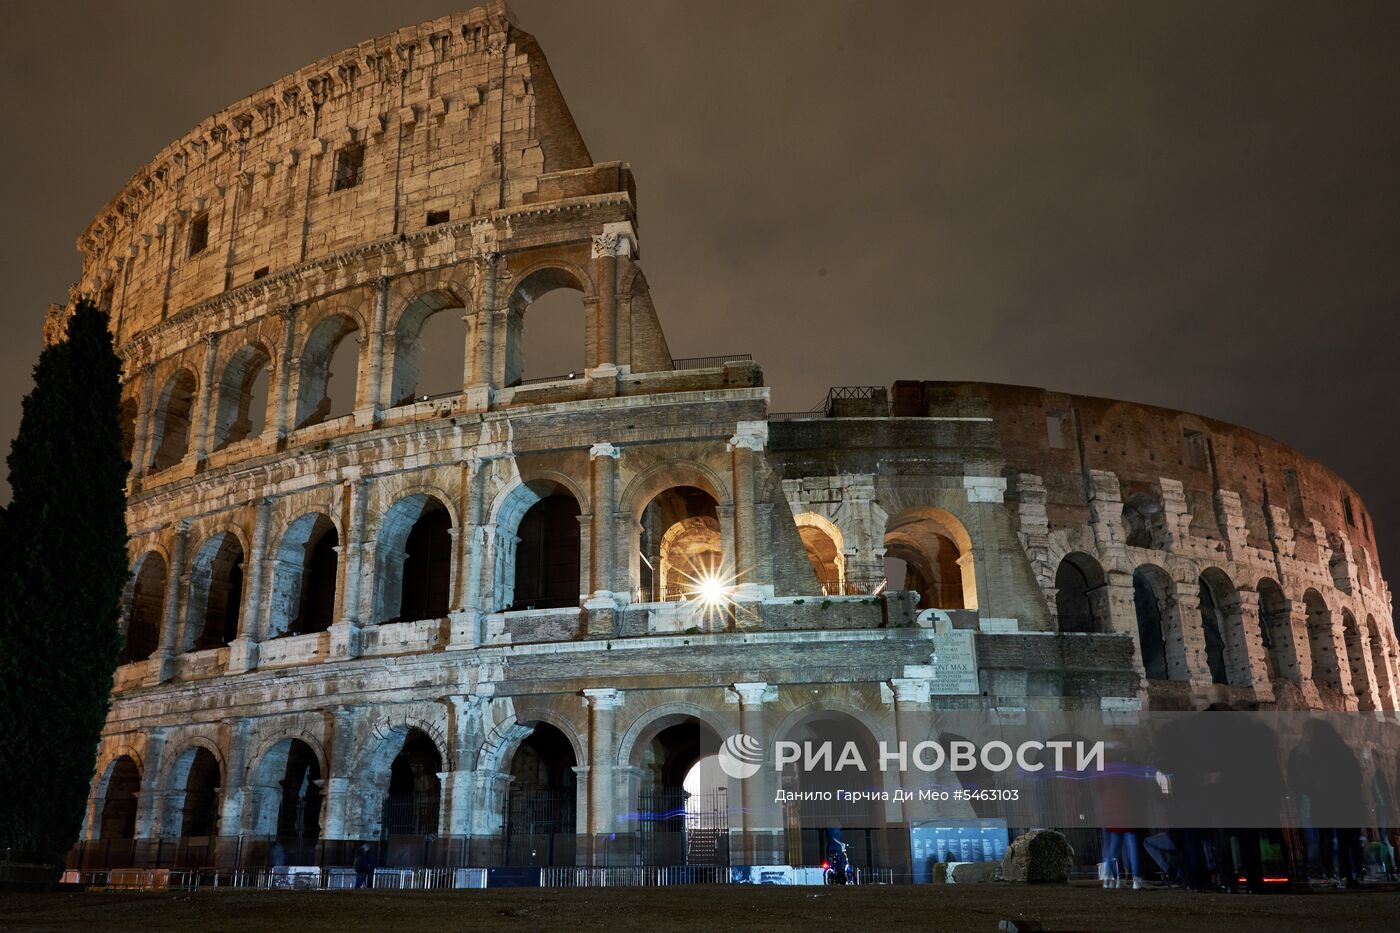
[1195,449]
[1295,492]
[1055,430]
[1347,512]
[349,166]
[438,217]
[260,273]
[199,233]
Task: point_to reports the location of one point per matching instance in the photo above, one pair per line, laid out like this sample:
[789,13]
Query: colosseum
[490,627]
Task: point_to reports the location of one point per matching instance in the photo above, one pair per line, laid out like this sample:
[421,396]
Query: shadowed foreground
[940,908]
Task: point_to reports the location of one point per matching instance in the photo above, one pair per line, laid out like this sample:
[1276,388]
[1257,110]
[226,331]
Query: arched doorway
[200,813]
[681,546]
[304,577]
[548,304]
[1156,609]
[413,804]
[118,818]
[1081,597]
[426,353]
[216,593]
[929,552]
[1227,654]
[241,412]
[823,817]
[683,806]
[145,609]
[299,809]
[329,372]
[541,809]
[1276,627]
[170,439]
[415,560]
[1144,521]
[822,542]
[548,551]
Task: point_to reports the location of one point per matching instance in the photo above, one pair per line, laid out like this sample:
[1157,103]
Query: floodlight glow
[711,590]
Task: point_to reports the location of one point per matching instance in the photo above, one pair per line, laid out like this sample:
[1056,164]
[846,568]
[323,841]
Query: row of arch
[425,354]
[1366,661]
[539,538]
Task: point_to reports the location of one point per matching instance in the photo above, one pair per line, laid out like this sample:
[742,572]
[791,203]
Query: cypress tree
[64,550]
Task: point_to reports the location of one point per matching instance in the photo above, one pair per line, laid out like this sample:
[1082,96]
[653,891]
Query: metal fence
[710,362]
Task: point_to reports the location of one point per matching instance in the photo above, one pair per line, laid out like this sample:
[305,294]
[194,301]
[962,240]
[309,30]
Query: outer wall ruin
[386,616]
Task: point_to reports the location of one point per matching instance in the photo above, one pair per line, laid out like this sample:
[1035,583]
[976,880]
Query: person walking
[364,866]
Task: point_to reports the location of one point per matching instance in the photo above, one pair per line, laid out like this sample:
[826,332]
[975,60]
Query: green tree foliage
[64,567]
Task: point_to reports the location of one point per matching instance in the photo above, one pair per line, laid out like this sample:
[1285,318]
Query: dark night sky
[1190,204]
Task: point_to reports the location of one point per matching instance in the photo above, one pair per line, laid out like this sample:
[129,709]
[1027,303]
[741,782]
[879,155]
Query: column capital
[751,693]
[617,239]
[985,488]
[910,689]
[601,698]
[604,450]
[749,435]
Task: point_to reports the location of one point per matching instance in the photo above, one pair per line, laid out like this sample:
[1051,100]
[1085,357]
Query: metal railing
[709,362]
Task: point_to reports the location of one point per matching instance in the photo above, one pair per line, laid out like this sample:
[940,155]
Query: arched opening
[1227,654]
[931,553]
[241,412]
[1152,598]
[415,790]
[680,825]
[330,372]
[216,593]
[415,560]
[304,577]
[557,323]
[118,820]
[1081,597]
[821,540]
[822,816]
[547,553]
[170,440]
[1144,521]
[1326,671]
[1276,628]
[541,810]
[1380,663]
[128,421]
[429,343]
[1356,661]
[200,814]
[681,545]
[299,810]
[145,609]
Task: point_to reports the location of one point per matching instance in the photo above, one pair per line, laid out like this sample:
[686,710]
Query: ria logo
[740,756]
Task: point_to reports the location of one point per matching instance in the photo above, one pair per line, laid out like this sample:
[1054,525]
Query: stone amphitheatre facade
[367,614]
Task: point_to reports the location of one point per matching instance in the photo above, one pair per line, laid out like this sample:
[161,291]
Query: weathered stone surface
[1038,857]
[972,872]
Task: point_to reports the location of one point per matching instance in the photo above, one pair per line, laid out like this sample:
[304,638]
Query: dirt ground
[976,909]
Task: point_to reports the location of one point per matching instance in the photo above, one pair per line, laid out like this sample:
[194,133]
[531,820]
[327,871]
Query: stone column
[617,239]
[235,790]
[466,622]
[1302,650]
[762,818]
[146,815]
[750,574]
[602,703]
[482,333]
[372,402]
[287,362]
[355,580]
[1185,638]
[199,442]
[243,652]
[602,548]
[911,697]
[171,622]
[1251,642]
[337,784]
[144,421]
[983,579]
